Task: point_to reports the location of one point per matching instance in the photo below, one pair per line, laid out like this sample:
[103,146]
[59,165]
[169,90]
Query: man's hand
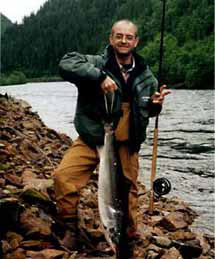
[158,97]
[108,85]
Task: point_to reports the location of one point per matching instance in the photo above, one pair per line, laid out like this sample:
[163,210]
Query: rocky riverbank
[29,153]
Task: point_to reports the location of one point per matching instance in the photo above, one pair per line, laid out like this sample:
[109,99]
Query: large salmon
[109,203]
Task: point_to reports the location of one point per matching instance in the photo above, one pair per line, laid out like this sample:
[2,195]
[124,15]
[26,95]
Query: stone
[48,254]
[30,227]
[161,241]
[174,221]
[14,239]
[203,243]
[5,247]
[32,224]
[10,210]
[153,247]
[2,182]
[188,249]
[33,244]
[13,179]
[182,235]
[18,254]
[34,196]
[152,254]
[172,253]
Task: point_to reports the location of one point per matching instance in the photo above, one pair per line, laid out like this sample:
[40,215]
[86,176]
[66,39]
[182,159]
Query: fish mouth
[114,248]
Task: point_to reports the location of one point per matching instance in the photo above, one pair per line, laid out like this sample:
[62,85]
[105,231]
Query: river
[185,147]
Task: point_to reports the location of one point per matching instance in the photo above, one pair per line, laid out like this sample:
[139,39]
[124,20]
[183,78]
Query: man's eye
[127,37]
[119,37]
[130,37]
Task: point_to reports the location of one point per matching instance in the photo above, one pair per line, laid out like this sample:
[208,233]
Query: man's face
[123,38]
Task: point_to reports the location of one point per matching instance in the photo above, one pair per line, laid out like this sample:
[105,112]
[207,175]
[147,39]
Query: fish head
[108,127]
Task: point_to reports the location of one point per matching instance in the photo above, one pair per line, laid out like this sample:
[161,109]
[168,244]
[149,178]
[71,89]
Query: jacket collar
[139,60]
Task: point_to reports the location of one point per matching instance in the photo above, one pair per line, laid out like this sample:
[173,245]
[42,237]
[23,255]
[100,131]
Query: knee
[63,185]
[58,182]
[57,176]
[61,175]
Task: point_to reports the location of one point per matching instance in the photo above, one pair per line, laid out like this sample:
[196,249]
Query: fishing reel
[161,186]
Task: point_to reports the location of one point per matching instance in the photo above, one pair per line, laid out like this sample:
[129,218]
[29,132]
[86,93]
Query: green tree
[36,46]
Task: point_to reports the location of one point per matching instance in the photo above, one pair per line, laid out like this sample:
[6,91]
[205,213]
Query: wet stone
[172,253]
[182,235]
[161,241]
[48,254]
[5,247]
[174,221]
[33,225]
[14,239]
[189,249]
[18,254]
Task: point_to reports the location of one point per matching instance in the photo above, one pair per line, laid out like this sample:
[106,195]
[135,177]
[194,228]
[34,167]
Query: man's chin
[123,53]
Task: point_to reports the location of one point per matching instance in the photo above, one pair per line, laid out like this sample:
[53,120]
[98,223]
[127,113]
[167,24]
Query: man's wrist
[102,76]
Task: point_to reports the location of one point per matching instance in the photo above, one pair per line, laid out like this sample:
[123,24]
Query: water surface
[186,139]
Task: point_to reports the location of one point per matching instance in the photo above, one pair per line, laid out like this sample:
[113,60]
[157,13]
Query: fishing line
[161,45]
[164,183]
[106,97]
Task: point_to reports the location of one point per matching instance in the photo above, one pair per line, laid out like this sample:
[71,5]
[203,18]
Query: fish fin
[108,239]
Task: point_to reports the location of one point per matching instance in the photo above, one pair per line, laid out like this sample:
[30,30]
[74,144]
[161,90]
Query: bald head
[126,22]
[124,39]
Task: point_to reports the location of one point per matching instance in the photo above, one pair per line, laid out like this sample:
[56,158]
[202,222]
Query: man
[118,70]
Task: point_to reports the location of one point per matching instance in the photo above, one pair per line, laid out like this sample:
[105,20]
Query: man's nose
[124,39]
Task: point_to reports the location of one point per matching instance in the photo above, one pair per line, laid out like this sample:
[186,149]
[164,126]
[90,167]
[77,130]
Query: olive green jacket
[85,72]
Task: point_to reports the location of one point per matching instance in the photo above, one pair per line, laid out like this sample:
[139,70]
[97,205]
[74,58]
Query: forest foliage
[36,46]
[5,23]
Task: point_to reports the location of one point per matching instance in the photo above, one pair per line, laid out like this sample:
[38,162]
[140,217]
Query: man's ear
[110,38]
[136,41]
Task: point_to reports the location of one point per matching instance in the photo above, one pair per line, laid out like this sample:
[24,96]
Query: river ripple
[186,139]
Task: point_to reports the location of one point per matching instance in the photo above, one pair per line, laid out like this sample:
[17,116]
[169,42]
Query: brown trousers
[80,161]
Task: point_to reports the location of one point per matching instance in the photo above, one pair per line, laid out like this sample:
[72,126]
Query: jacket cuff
[102,76]
[154,109]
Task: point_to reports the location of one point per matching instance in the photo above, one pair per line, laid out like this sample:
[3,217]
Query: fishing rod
[162,185]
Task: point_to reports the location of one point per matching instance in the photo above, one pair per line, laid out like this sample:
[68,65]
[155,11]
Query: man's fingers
[166,92]
[162,88]
[158,97]
[108,85]
[157,94]
[113,87]
[109,88]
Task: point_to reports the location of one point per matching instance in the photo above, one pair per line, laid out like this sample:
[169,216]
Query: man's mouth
[123,47]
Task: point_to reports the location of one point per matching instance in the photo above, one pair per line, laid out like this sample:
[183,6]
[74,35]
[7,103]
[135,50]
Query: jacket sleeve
[145,92]
[75,67]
